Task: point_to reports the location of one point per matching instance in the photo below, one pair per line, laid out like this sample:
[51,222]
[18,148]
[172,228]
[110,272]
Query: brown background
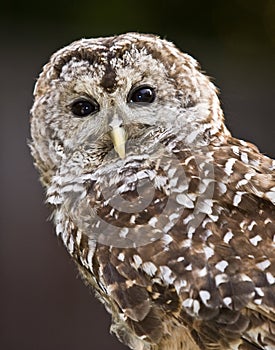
[43,305]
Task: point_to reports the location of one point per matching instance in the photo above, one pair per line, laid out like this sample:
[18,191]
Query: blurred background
[43,303]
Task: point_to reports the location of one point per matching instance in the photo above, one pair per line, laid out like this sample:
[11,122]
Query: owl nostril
[114,121]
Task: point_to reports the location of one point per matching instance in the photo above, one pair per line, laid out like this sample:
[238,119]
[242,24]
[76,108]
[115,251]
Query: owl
[170,220]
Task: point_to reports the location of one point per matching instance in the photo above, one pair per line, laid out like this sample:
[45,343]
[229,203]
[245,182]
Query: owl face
[101,94]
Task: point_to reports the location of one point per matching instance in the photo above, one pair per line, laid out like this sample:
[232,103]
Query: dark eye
[82,108]
[142,94]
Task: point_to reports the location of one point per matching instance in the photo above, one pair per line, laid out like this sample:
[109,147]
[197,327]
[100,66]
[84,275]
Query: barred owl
[169,218]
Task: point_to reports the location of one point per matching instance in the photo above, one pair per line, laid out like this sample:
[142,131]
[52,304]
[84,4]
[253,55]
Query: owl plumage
[169,218]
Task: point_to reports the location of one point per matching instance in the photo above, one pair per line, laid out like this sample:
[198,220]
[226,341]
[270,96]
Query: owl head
[104,94]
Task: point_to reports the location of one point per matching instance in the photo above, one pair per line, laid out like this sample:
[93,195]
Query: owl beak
[119,137]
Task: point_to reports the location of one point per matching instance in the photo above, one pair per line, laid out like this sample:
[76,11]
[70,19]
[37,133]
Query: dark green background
[42,304]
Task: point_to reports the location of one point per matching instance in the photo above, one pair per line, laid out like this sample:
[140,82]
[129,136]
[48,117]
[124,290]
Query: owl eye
[142,94]
[83,108]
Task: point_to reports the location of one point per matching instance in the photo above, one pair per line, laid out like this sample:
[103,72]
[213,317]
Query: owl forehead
[109,69]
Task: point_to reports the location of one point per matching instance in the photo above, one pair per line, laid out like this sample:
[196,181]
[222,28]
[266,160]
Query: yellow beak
[119,137]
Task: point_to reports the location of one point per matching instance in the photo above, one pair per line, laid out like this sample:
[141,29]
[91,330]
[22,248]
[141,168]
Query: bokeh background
[43,303]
